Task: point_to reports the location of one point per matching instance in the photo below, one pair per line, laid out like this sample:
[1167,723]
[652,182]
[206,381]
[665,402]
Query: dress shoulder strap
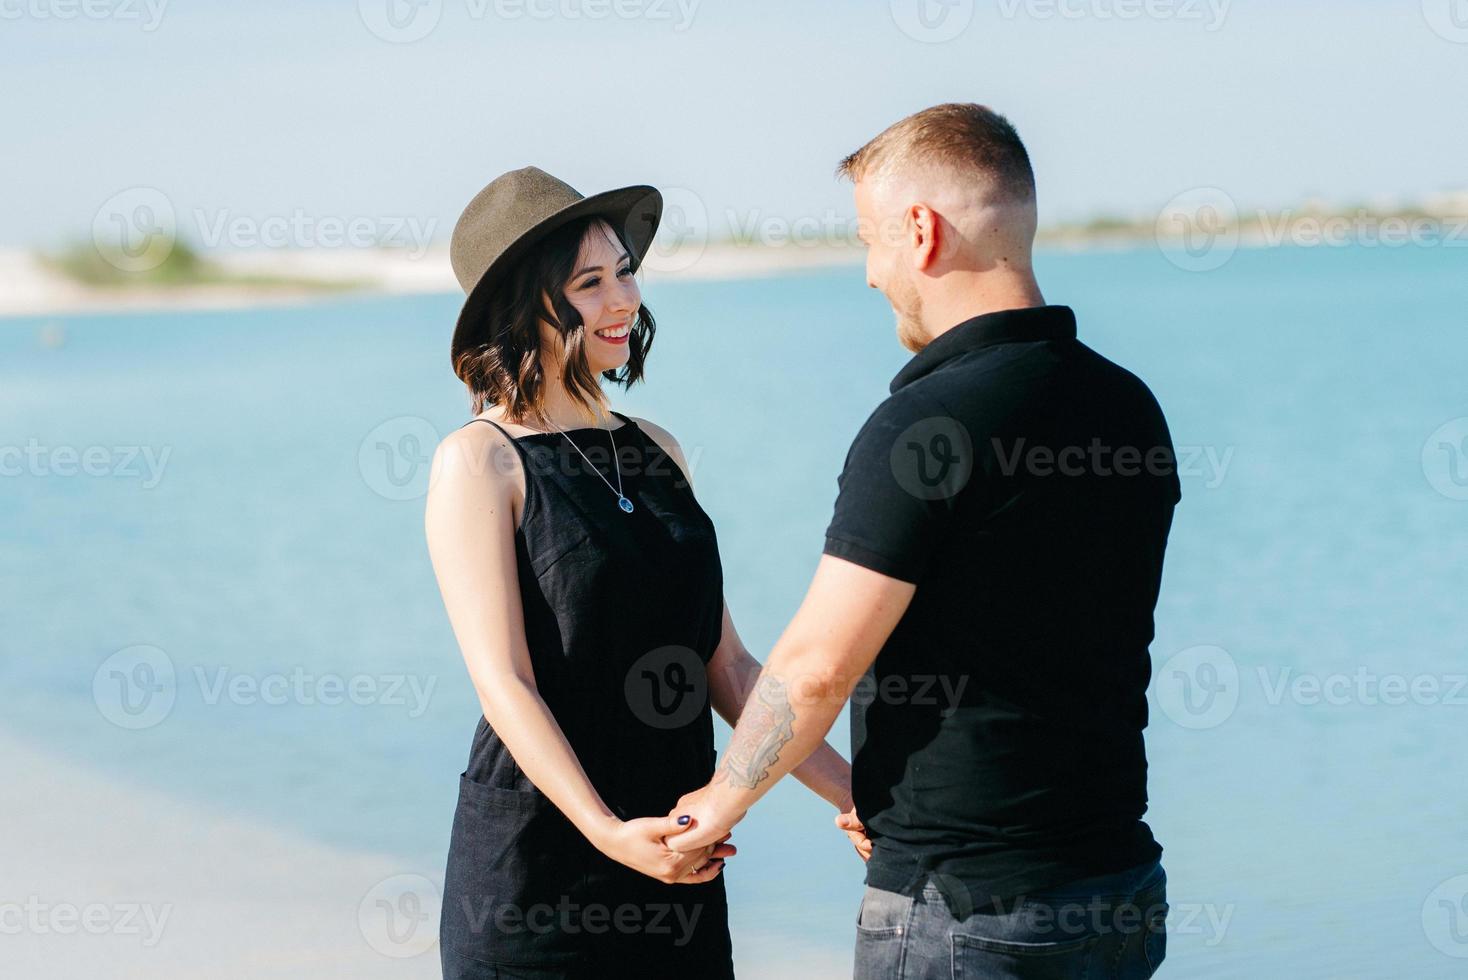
[495,424]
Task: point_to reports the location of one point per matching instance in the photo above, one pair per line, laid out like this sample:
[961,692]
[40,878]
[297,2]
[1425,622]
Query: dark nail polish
[683,821]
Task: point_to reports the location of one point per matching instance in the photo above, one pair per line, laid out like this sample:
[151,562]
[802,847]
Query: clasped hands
[696,834]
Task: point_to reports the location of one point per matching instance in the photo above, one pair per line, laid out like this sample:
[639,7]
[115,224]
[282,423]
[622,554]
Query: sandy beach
[105,879]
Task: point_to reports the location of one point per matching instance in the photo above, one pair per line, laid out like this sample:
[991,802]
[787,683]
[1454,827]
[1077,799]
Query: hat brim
[635,210]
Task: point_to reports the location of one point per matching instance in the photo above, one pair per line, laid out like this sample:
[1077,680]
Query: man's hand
[856,833]
[705,824]
[639,844]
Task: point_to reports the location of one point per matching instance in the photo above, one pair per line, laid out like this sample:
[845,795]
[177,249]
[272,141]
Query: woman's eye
[590,282]
[626,271]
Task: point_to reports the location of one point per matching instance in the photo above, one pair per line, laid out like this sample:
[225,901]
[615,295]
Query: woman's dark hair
[504,367]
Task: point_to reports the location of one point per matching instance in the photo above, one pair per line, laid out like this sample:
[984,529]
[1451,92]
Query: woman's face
[605,294]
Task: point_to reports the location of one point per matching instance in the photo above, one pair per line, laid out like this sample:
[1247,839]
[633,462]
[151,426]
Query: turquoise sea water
[1313,827]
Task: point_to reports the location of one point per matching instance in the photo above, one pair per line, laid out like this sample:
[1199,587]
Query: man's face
[880,225]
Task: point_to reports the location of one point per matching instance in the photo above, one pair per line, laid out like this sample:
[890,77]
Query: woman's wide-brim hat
[513,213]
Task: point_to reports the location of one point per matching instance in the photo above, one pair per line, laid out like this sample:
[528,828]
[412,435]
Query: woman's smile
[616,335]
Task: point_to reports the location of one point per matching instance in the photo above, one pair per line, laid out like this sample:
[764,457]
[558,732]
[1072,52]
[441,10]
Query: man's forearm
[786,718]
[824,771]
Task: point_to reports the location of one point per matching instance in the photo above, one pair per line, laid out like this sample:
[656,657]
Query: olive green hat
[516,210]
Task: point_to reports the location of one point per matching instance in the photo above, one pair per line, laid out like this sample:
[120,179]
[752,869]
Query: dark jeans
[1111,927]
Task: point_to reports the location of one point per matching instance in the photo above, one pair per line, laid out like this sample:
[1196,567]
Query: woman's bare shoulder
[659,434]
[477,455]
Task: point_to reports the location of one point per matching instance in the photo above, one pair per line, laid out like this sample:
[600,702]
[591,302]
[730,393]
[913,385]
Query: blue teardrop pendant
[625,504]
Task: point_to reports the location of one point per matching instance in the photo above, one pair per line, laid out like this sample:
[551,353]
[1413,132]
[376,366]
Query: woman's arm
[732,673]
[731,676]
[471,540]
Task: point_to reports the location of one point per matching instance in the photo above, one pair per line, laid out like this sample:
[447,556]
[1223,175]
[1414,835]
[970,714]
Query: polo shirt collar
[1006,326]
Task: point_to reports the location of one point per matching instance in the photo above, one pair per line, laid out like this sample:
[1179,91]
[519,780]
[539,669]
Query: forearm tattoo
[765,725]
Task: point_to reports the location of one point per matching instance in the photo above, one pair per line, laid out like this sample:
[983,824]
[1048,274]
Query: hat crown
[514,212]
[508,206]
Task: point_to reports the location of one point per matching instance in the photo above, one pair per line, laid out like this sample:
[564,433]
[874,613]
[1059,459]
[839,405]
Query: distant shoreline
[34,289]
[34,286]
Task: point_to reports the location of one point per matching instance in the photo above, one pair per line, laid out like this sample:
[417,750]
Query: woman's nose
[628,298]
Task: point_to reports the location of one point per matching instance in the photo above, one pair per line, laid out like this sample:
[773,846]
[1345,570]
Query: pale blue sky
[266,108]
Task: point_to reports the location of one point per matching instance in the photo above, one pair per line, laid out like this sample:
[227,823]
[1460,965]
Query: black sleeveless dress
[623,612]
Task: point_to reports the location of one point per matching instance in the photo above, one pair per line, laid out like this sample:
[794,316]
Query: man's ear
[922,231]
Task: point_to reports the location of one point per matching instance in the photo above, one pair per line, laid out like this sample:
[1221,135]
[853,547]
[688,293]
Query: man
[989,578]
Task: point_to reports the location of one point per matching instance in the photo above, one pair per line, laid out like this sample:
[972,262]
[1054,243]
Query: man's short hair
[968,139]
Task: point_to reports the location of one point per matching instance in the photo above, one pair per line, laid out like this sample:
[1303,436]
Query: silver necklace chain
[622,501]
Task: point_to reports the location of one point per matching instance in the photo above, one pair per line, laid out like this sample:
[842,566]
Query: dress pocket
[514,863]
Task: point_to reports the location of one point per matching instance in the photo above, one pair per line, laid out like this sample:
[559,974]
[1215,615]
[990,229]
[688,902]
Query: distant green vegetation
[172,265]
[1268,224]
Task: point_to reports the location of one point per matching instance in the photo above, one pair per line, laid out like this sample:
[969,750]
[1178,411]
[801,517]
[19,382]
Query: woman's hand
[639,845]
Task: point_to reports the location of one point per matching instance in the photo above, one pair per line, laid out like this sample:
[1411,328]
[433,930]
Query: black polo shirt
[1026,485]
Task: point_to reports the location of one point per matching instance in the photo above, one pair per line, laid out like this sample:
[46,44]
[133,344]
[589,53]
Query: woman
[584,586]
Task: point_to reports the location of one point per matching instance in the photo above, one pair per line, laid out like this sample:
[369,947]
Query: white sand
[102,879]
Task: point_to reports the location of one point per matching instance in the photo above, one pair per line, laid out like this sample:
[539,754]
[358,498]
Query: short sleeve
[902,478]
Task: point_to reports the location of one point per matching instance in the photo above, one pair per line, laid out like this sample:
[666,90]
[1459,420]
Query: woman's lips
[623,329]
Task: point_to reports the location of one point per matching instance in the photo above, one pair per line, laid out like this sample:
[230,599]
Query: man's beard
[910,320]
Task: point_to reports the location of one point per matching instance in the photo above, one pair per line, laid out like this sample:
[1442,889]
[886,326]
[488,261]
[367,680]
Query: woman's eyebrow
[596,268]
